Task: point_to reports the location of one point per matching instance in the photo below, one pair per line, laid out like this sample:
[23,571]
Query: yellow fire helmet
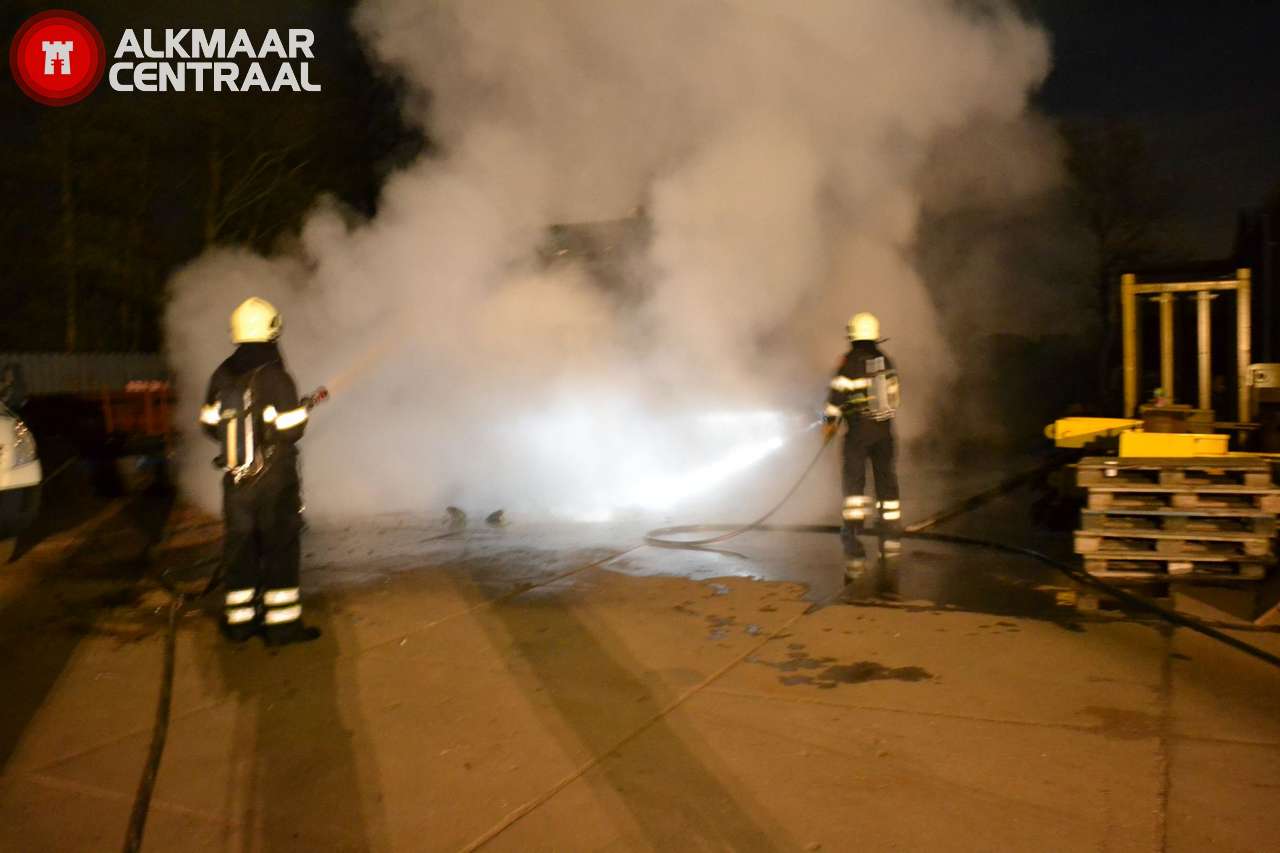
[255,321]
[864,327]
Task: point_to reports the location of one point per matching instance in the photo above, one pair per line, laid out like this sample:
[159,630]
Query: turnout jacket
[865,385]
[252,409]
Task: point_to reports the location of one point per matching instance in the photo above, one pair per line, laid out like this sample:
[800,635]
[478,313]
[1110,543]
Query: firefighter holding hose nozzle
[864,394]
[253,411]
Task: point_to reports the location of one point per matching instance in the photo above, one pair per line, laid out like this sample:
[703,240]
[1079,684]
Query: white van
[20,478]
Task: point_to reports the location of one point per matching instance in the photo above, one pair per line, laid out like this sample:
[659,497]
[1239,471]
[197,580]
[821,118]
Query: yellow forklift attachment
[1077,432]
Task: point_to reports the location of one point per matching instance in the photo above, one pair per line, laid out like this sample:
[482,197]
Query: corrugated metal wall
[76,373]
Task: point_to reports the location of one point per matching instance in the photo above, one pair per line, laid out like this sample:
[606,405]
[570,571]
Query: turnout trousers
[869,441]
[261,550]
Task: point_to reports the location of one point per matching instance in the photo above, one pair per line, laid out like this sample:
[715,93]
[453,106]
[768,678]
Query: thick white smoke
[779,151]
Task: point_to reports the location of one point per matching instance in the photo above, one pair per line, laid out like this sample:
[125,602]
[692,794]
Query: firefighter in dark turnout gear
[864,394]
[253,411]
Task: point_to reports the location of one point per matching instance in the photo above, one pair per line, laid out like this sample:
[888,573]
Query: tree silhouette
[1124,207]
[110,195]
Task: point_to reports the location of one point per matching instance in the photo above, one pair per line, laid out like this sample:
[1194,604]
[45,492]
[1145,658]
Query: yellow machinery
[1175,504]
[1077,432]
[1136,442]
[1204,293]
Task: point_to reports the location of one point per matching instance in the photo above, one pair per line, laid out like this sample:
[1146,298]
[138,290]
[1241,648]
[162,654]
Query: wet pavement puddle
[826,673]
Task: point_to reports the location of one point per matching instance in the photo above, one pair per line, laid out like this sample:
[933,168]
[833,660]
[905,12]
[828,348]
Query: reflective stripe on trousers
[280,615]
[890,510]
[282,606]
[856,507]
[280,597]
[239,597]
[240,615]
[238,604]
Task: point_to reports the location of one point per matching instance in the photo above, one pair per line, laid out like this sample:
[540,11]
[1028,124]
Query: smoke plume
[782,154]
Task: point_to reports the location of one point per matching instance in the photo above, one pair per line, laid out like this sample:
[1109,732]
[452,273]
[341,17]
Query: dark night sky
[1202,78]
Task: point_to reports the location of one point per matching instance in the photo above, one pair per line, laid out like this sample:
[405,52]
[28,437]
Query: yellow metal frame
[1165,293]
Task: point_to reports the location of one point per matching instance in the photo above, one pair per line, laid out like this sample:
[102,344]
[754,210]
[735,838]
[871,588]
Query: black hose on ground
[159,733]
[759,524]
[160,729]
[1135,602]
[655,538]
[658,538]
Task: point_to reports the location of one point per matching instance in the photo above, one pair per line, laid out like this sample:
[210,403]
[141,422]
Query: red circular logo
[57,57]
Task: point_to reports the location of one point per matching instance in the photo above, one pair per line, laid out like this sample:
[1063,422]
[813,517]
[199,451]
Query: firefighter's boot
[282,619]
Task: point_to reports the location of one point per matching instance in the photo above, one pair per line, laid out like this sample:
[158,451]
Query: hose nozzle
[316,397]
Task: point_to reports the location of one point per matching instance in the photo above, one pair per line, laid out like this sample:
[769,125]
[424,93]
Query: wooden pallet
[1229,471]
[1172,543]
[1130,576]
[1153,567]
[1188,520]
[1184,497]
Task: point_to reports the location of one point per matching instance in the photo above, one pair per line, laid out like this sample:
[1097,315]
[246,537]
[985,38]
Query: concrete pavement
[557,688]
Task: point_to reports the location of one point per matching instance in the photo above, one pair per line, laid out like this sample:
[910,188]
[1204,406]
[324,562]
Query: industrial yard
[666,425]
[557,687]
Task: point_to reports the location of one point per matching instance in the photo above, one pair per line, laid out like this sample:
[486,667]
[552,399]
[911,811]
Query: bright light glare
[665,492]
[613,456]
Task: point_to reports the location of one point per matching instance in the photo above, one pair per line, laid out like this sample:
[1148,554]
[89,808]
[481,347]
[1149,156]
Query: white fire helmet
[255,321]
[864,327]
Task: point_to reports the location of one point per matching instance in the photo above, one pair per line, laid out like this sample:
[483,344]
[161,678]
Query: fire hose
[659,538]
[160,729]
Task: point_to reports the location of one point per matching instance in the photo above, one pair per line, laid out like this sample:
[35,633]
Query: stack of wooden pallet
[1187,519]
